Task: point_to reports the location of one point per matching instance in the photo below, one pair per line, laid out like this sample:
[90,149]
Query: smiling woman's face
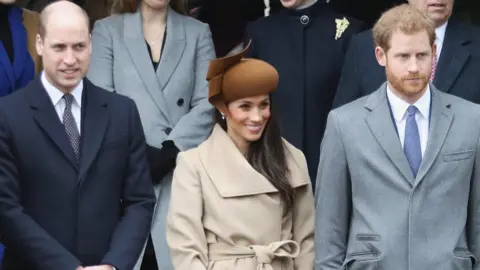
[247,118]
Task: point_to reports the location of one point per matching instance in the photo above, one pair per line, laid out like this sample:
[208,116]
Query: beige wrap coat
[224,215]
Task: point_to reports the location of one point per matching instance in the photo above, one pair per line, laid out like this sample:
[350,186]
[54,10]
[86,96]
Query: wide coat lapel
[231,173]
[174,46]
[440,120]
[47,118]
[228,169]
[95,122]
[381,124]
[137,48]
[453,56]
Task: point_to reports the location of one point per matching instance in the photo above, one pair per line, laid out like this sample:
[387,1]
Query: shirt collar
[56,95]
[399,106]
[440,32]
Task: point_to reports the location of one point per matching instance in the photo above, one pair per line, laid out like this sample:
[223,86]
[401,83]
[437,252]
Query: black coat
[457,71]
[57,213]
[308,59]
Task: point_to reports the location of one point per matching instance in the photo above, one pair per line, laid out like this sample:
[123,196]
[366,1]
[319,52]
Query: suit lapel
[440,118]
[95,119]
[137,48]
[381,124]
[452,57]
[174,47]
[47,118]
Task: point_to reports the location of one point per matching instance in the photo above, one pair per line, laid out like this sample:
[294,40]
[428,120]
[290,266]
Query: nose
[69,58]
[413,65]
[256,116]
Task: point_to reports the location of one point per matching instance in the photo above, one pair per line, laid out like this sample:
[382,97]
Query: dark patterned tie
[71,125]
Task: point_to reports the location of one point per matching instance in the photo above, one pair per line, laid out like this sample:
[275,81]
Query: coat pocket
[449,157]
[463,259]
[362,261]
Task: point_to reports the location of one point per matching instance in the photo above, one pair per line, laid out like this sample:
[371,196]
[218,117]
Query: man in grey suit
[398,178]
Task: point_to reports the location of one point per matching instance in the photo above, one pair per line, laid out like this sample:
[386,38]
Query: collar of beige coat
[233,176]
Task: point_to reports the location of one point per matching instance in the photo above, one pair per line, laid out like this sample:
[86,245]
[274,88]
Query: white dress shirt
[59,103]
[440,32]
[399,110]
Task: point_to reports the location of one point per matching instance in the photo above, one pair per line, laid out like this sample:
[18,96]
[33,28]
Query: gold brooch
[342,25]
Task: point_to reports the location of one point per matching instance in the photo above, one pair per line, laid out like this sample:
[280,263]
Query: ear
[39,45]
[381,56]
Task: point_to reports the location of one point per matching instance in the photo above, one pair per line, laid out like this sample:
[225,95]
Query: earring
[223,117]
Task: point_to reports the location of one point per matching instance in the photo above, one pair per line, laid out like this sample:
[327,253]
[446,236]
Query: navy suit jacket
[457,69]
[57,213]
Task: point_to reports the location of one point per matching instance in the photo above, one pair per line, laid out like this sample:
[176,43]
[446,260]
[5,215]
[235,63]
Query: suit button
[168,130]
[180,102]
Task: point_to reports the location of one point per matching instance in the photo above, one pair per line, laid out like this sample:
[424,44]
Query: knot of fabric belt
[263,254]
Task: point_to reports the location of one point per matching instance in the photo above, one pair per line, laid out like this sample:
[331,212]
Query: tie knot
[68,100]
[412,110]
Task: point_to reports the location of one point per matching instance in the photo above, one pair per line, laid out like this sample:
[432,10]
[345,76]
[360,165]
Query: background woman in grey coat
[149,51]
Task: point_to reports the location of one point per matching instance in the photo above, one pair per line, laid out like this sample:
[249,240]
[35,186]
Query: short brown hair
[405,18]
[131,6]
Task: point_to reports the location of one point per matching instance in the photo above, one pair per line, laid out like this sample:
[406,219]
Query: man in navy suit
[75,190]
[456,69]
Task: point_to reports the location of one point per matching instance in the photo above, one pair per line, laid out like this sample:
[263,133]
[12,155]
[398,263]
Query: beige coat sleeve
[185,234]
[303,215]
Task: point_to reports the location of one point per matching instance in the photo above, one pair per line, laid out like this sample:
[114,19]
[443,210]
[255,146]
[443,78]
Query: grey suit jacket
[370,211]
[172,101]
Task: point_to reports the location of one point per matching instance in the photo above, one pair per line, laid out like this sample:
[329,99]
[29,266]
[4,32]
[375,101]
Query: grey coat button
[304,19]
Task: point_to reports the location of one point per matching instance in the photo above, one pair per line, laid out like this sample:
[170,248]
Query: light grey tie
[411,144]
[71,125]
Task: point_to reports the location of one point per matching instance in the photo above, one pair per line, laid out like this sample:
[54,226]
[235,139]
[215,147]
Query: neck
[240,143]
[408,98]
[150,15]
[306,4]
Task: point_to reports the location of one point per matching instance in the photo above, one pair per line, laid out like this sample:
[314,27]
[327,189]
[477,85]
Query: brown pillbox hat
[234,77]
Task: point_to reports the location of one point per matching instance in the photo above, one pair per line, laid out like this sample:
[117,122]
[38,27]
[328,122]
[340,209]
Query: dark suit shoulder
[17,99]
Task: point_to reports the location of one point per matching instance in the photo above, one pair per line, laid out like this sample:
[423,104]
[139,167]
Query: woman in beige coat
[242,200]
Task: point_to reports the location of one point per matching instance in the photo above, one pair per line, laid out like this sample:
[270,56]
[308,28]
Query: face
[408,64]
[247,118]
[437,10]
[65,51]
[292,4]
[156,4]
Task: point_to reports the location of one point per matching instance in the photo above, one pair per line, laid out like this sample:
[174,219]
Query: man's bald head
[62,12]
[64,42]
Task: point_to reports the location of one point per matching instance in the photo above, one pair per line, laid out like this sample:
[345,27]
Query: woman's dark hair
[267,156]
[131,6]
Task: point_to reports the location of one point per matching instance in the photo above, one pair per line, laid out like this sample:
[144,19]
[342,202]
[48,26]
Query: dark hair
[131,6]
[267,156]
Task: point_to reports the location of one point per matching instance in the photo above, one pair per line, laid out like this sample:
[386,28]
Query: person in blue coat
[17,67]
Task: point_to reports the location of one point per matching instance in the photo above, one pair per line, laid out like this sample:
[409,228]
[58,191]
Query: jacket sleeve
[100,71]
[349,85]
[332,200]
[304,223]
[473,220]
[19,231]
[138,199]
[195,126]
[185,234]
